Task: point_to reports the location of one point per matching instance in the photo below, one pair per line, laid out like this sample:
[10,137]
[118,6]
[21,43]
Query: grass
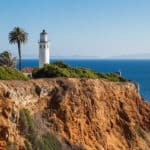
[11,74]
[59,69]
[27,125]
[28,145]
[51,142]
[34,140]
[140,131]
[11,146]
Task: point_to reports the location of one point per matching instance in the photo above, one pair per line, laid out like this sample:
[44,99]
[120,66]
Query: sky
[79,28]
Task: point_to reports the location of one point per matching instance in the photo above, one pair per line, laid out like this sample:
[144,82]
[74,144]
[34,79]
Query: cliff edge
[92,114]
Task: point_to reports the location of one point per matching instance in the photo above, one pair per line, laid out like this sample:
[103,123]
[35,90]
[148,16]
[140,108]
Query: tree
[7,60]
[18,36]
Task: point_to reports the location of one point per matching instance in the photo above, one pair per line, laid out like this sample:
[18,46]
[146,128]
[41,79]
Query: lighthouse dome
[43,36]
[44,32]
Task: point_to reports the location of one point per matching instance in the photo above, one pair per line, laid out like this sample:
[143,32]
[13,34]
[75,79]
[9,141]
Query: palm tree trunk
[19,51]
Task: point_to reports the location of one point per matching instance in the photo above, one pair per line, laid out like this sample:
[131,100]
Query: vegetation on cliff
[59,69]
[7,68]
[11,74]
[90,113]
[34,140]
[7,59]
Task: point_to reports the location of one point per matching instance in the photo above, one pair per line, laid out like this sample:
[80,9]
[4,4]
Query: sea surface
[135,70]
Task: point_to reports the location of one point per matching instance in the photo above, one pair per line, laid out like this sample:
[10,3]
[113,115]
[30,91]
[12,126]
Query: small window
[40,46]
[44,46]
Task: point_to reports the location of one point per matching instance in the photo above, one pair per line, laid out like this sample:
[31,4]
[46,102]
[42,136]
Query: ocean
[135,70]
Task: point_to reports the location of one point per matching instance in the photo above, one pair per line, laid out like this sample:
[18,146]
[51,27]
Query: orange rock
[3,145]
[94,113]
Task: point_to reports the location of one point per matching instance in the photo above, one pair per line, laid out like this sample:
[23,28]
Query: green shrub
[83,73]
[34,140]
[28,145]
[38,143]
[140,131]
[48,142]
[51,142]
[26,123]
[59,69]
[50,71]
[112,77]
[11,74]
[61,64]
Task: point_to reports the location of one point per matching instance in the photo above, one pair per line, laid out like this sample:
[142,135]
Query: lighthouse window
[40,46]
[44,46]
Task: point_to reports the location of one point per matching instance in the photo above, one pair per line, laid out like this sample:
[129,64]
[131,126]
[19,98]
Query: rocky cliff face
[92,113]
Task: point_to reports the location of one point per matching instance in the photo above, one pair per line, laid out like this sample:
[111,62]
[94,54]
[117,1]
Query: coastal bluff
[91,114]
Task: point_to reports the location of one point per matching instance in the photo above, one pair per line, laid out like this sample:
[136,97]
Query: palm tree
[18,36]
[7,60]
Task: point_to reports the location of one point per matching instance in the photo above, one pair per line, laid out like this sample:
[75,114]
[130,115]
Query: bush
[11,74]
[51,141]
[28,145]
[7,60]
[140,131]
[61,64]
[83,73]
[50,71]
[34,140]
[112,77]
[59,69]
[26,123]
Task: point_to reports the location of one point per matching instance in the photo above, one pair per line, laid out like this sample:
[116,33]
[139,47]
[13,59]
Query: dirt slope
[92,113]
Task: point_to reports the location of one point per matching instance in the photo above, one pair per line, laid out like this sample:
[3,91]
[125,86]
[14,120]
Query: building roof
[44,32]
[27,70]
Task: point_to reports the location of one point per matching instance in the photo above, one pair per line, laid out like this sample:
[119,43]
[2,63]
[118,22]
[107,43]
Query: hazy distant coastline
[129,56]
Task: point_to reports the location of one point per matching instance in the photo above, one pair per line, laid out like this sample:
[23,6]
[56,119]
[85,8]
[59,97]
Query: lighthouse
[44,47]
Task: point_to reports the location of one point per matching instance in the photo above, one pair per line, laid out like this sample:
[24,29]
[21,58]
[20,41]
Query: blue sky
[102,28]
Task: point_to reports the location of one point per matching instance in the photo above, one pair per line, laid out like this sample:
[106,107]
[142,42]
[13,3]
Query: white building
[44,47]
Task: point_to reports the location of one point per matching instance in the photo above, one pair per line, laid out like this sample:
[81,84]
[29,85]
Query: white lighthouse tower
[44,47]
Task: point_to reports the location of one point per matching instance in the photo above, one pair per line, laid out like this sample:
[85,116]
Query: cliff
[92,114]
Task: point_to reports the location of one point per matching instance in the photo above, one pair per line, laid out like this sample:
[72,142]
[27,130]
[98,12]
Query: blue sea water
[135,70]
